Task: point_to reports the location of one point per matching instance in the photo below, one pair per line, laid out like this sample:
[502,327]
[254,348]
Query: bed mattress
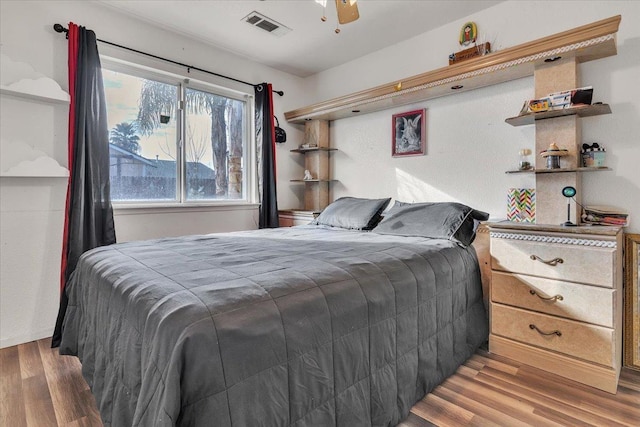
[301,326]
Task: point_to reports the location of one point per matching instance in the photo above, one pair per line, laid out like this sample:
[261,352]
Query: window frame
[249,155]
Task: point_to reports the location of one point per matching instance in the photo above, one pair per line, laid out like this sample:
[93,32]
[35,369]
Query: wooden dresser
[556,299]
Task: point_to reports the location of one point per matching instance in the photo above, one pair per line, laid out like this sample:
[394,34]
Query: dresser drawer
[574,263]
[585,303]
[588,342]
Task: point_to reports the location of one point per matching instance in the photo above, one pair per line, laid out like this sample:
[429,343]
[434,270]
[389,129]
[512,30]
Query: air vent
[267,24]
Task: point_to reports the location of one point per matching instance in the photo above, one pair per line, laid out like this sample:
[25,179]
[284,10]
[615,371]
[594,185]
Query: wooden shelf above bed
[585,43]
[561,170]
[582,111]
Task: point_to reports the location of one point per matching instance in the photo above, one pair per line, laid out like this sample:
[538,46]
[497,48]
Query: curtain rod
[61,29]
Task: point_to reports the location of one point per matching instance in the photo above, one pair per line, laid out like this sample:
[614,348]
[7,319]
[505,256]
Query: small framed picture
[409,134]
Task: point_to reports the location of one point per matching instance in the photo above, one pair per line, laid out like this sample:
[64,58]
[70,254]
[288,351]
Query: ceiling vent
[267,24]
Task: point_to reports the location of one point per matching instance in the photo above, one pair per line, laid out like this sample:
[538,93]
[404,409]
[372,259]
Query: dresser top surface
[581,229]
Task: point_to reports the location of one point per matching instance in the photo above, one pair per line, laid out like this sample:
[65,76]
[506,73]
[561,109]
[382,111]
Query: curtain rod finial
[279,92]
[59,28]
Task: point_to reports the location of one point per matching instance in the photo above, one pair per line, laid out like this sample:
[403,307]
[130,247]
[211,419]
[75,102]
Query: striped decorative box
[521,205]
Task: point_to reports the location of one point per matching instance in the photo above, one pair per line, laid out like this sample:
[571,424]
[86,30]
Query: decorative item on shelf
[472,52]
[569,192]
[571,98]
[307,175]
[559,100]
[536,106]
[408,137]
[468,36]
[521,205]
[604,215]
[593,156]
[524,164]
[308,146]
[553,154]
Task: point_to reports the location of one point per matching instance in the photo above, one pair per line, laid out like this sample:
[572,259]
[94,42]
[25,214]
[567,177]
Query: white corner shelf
[21,80]
[20,160]
[61,98]
[4,175]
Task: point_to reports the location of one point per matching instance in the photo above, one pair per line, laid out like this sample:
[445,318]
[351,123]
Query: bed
[313,325]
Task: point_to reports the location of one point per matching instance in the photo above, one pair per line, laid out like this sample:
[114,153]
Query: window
[175,141]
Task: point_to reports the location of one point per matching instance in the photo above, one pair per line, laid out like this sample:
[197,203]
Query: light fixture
[569,192]
[347,11]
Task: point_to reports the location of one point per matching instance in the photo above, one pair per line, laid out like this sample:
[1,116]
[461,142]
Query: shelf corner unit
[582,111]
[316,162]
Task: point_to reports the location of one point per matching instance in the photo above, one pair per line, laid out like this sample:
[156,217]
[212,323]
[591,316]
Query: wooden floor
[40,388]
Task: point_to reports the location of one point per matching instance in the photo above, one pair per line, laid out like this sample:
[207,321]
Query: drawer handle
[554,261]
[553,298]
[556,332]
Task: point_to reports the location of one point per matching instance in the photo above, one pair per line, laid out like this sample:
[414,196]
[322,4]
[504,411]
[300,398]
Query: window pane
[142,137]
[214,143]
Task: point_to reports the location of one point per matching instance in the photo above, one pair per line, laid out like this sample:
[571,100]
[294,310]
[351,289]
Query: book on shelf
[604,215]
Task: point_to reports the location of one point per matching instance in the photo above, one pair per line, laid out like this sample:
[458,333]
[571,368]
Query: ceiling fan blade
[347,11]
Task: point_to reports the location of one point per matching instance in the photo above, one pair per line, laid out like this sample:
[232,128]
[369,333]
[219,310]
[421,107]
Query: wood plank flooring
[40,388]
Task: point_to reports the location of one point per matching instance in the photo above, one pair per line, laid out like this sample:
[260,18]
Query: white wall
[31,209]
[469,146]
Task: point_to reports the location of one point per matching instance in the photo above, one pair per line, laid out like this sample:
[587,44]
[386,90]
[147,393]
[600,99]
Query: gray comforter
[304,326]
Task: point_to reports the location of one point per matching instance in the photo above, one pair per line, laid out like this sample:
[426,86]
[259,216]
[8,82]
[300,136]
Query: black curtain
[88,215]
[266,140]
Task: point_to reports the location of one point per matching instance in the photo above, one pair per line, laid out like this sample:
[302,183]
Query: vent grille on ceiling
[267,24]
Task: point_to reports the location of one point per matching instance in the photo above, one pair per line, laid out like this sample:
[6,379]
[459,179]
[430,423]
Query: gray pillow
[352,213]
[397,204]
[448,220]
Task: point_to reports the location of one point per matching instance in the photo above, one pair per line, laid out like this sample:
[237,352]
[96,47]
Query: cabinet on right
[562,130]
[556,299]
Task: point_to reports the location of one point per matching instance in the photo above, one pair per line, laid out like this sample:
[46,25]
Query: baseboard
[24,338]
[593,375]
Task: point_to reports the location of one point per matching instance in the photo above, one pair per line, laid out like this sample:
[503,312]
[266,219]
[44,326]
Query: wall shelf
[585,43]
[561,170]
[308,150]
[4,175]
[20,160]
[313,180]
[583,111]
[53,99]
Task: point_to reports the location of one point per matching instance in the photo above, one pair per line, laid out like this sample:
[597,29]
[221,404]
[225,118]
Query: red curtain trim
[273,131]
[73,36]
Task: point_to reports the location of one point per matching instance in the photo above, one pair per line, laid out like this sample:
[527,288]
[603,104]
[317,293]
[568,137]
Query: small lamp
[569,192]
